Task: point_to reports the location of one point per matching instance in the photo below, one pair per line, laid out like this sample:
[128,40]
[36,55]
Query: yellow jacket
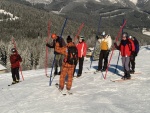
[105,43]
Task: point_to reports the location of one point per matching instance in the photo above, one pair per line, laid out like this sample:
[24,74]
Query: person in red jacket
[126,48]
[82,49]
[15,60]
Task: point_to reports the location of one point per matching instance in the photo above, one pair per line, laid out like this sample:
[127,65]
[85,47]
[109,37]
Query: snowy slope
[91,93]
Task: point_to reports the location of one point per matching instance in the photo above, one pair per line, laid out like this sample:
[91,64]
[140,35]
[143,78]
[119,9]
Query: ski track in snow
[91,93]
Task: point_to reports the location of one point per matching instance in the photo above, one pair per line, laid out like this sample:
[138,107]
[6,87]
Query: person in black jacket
[133,55]
[58,56]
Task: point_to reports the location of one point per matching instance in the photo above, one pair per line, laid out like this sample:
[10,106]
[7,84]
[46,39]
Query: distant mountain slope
[33,18]
[32,22]
[89,10]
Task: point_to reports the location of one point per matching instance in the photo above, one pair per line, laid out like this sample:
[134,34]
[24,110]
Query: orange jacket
[64,51]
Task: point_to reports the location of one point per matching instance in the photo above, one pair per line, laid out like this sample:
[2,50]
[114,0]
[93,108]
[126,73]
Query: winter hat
[13,50]
[53,36]
[103,33]
[125,34]
[69,39]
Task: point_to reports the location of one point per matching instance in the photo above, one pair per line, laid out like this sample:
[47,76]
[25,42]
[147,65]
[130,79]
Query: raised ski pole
[118,56]
[46,55]
[119,33]
[13,41]
[50,82]
[95,41]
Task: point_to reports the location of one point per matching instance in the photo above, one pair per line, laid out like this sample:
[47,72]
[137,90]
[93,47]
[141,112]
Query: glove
[47,45]
[97,37]
[135,53]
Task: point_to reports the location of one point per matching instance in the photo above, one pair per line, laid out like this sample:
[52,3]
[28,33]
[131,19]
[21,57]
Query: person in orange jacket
[58,56]
[67,67]
[15,60]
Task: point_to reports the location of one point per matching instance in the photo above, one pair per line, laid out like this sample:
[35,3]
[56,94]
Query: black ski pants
[15,73]
[132,62]
[103,56]
[81,60]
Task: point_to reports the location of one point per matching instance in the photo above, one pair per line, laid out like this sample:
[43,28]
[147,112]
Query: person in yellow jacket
[105,46]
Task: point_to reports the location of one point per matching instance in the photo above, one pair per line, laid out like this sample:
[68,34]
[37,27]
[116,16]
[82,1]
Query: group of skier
[72,55]
[68,55]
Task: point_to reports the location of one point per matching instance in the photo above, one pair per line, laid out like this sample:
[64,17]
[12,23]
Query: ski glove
[97,37]
[47,45]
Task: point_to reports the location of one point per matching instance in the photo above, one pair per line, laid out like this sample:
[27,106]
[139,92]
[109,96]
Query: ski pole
[119,33]
[95,41]
[51,79]
[79,31]
[118,56]
[46,55]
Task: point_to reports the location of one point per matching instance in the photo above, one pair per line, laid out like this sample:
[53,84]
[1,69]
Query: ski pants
[66,70]
[15,73]
[132,62]
[103,56]
[125,63]
[81,60]
[58,61]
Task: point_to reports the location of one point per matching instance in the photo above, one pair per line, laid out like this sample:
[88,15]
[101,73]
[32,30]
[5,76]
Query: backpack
[72,57]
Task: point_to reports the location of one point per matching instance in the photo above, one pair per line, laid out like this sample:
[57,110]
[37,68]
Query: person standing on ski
[126,48]
[15,60]
[58,56]
[133,55]
[82,50]
[67,67]
[105,46]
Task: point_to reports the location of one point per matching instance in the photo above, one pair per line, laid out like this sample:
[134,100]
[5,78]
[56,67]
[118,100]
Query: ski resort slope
[91,93]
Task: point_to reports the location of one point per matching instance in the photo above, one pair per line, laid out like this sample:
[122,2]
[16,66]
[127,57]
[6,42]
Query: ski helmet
[53,36]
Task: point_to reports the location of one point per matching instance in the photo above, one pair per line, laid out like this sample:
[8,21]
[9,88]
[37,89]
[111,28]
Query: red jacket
[127,48]
[82,49]
[15,60]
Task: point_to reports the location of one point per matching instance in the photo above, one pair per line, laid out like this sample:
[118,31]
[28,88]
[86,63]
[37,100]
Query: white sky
[91,93]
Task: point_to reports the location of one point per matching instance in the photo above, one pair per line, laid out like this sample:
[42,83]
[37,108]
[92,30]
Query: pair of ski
[62,92]
[122,80]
